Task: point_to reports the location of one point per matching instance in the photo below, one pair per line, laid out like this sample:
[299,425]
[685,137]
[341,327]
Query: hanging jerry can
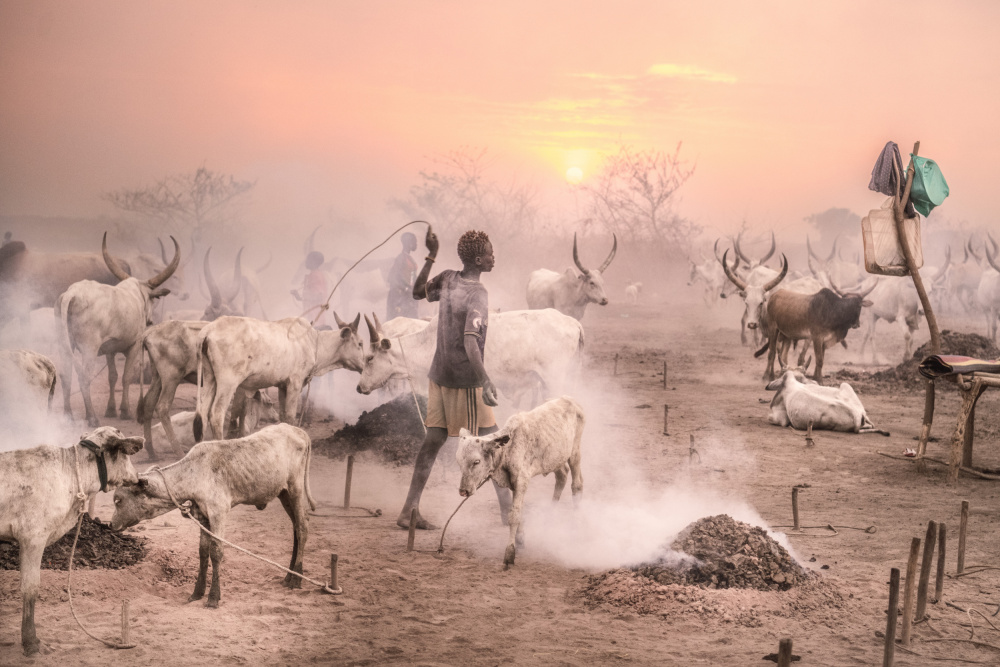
[883,254]
[929,187]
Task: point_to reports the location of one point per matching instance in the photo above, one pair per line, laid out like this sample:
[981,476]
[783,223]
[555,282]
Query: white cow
[218,475]
[546,439]
[754,292]
[526,351]
[710,273]
[894,299]
[567,292]
[39,502]
[243,353]
[632,292]
[800,402]
[96,319]
[27,379]
[989,292]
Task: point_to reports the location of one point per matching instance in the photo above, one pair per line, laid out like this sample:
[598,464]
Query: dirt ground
[571,599]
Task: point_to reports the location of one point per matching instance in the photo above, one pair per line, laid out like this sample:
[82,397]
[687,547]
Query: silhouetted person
[400,302]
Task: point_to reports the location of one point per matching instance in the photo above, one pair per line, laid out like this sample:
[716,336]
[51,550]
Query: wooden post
[665,412]
[664,375]
[347,481]
[890,623]
[785,653]
[126,632]
[925,571]
[939,576]
[911,571]
[970,435]
[413,529]
[616,364]
[795,507]
[962,527]
[809,435]
[925,429]
[333,571]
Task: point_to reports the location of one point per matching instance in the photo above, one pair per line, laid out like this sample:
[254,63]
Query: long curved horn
[234,287]
[939,278]
[614,249]
[993,241]
[972,251]
[966,259]
[310,240]
[213,288]
[113,265]
[735,279]
[990,256]
[261,269]
[163,251]
[576,256]
[769,252]
[165,274]
[715,249]
[809,249]
[372,331]
[378,325]
[869,290]
[781,276]
[739,251]
[812,269]
[833,285]
[340,323]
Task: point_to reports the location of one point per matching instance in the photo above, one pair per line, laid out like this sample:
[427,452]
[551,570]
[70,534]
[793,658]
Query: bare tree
[202,203]
[458,194]
[634,196]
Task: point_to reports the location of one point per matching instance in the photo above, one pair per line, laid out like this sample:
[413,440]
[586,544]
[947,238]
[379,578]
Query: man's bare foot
[422,524]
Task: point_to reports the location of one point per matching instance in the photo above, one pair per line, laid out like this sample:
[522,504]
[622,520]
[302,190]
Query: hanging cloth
[884,179]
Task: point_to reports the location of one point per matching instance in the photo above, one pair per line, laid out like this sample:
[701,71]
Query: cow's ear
[128,446]
[385,343]
[345,332]
[742,294]
[143,483]
[775,385]
[158,292]
[866,303]
[502,440]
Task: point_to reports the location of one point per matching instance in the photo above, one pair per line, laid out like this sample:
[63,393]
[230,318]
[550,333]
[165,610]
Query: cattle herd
[103,306]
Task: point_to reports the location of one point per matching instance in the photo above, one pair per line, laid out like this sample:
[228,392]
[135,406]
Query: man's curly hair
[472,244]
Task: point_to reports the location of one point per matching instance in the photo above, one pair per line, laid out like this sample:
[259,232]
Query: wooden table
[972,386]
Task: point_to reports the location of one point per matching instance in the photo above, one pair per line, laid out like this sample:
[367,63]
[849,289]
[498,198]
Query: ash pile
[730,554]
[99,547]
[393,432]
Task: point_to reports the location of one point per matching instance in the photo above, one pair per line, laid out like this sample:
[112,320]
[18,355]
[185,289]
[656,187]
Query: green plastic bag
[929,187]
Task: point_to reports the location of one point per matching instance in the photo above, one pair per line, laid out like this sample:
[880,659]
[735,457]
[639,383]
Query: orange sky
[784,106]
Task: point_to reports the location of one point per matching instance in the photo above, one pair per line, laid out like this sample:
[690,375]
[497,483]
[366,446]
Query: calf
[246,412]
[544,440]
[800,402]
[39,501]
[218,475]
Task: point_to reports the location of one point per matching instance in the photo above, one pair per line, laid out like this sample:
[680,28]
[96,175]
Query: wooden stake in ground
[925,570]
[126,633]
[962,526]
[890,623]
[911,571]
[809,435]
[347,482]
[333,571]
[795,507]
[616,364]
[664,375]
[939,577]
[665,412]
[785,653]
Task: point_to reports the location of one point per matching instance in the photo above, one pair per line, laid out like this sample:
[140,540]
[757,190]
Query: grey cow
[39,502]
[216,476]
[543,440]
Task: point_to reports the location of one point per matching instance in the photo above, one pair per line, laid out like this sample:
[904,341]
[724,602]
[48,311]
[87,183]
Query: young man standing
[460,393]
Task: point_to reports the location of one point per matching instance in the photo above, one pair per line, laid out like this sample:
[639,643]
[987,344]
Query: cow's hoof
[126,414]
[212,604]
[196,596]
[31,648]
[111,413]
[291,581]
[508,557]
[93,423]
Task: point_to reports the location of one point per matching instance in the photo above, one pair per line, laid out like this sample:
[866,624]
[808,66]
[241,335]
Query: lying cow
[39,502]
[218,475]
[247,412]
[800,402]
[544,440]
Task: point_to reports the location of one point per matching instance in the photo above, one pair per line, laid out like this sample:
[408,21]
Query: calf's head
[116,449]
[477,457]
[341,348]
[138,502]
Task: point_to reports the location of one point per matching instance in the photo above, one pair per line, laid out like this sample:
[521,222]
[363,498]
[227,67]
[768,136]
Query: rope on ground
[409,378]
[931,657]
[970,471]
[871,530]
[445,529]
[186,513]
[974,569]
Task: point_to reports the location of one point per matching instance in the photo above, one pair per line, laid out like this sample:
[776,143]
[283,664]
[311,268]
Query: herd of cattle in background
[104,305]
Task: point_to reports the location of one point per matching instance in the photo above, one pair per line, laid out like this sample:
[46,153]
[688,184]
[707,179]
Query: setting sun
[574,175]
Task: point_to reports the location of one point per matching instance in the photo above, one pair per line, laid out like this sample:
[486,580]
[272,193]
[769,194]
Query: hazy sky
[783,106]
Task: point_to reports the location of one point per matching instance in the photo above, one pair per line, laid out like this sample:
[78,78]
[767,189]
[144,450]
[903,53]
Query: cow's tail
[763,349]
[198,427]
[305,484]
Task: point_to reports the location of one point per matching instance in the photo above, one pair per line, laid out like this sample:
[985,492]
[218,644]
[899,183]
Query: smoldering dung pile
[730,554]
[393,432]
[99,547]
[906,375]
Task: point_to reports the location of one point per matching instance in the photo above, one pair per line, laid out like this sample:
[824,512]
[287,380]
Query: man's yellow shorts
[457,408]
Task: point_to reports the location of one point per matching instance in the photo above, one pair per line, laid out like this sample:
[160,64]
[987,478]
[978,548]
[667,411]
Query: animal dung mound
[729,554]
[99,547]
[393,432]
